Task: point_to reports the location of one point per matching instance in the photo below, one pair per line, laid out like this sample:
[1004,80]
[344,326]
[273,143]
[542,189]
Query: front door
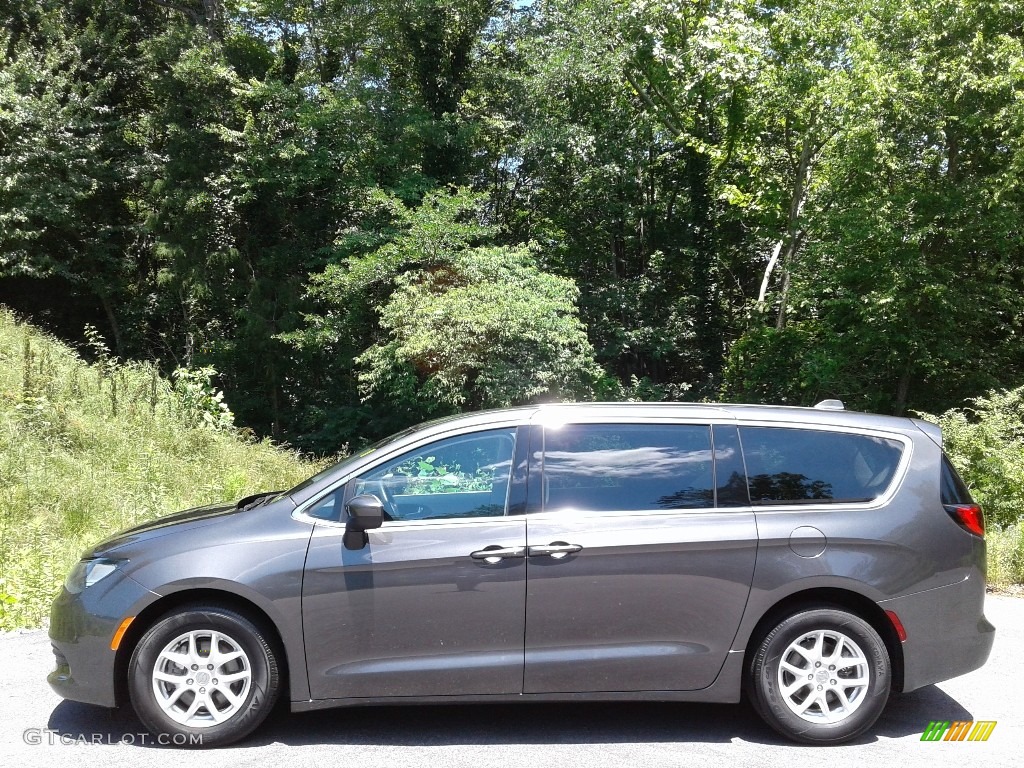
[433,605]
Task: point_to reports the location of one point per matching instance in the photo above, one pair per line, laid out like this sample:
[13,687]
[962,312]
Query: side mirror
[365,512]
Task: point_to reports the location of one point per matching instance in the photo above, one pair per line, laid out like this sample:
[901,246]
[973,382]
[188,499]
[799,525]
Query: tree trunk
[772,263]
[902,390]
[186,312]
[786,247]
[780,321]
[115,327]
[708,322]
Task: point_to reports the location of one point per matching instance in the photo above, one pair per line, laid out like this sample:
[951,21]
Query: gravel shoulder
[37,728]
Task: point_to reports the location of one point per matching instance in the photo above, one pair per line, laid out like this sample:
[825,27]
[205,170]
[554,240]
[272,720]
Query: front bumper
[947,632]
[81,629]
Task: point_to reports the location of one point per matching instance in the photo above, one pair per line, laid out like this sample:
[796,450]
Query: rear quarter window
[788,465]
[954,491]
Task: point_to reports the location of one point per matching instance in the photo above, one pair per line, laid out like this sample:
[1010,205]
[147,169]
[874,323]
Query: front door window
[465,476]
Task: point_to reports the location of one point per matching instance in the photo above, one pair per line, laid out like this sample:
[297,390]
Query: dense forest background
[362,214]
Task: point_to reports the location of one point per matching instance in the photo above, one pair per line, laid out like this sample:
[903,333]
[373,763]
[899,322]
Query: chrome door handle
[495,554]
[556,549]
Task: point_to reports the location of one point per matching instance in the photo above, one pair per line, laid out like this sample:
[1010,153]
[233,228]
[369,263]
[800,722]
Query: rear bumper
[947,632]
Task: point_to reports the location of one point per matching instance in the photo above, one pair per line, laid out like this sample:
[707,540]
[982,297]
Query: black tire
[252,679]
[839,708]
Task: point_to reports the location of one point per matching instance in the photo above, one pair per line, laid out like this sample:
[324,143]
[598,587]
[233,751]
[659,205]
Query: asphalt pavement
[37,728]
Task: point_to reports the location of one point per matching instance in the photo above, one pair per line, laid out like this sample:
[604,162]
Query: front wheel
[203,676]
[821,676]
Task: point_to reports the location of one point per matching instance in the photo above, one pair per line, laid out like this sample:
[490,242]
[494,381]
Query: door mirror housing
[365,512]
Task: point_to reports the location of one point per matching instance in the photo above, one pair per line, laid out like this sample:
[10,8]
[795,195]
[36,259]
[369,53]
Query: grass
[88,449]
[1005,555]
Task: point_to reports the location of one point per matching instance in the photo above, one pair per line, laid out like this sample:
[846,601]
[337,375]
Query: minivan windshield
[338,467]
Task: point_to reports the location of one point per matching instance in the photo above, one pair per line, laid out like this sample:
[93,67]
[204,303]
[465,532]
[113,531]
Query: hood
[189,519]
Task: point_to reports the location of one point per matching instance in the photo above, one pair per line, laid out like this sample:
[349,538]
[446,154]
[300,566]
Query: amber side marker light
[120,633]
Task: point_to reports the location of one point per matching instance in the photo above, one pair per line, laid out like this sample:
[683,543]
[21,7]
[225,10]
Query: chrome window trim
[543,419]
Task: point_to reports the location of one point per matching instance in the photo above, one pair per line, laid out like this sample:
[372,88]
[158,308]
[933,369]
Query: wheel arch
[167,604]
[829,597]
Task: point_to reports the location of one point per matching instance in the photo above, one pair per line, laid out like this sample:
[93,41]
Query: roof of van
[769,413]
[781,414]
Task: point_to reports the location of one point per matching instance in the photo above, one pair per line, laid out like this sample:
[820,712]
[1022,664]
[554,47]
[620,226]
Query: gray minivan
[813,559]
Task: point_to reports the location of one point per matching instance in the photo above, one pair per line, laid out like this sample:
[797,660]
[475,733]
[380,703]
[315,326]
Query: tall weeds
[87,449]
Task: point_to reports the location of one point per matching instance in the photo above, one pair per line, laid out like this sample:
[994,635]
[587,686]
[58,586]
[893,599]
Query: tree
[625,120]
[815,67]
[71,104]
[459,324]
[909,293]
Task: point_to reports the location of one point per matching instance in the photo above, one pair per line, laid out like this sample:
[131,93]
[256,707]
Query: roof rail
[830,405]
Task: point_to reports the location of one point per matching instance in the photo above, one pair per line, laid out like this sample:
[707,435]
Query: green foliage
[787,366]
[923,225]
[423,475]
[72,471]
[1006,555]
[487,330]
[985,442]
[909,274]
[200,403]
[461,325]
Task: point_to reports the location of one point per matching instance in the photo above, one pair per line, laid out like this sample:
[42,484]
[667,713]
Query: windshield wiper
[257,500]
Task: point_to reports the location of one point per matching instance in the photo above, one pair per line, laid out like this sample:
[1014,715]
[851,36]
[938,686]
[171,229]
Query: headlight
[88,572]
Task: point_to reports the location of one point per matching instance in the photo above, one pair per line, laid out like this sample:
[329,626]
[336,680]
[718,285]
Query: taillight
[969,517]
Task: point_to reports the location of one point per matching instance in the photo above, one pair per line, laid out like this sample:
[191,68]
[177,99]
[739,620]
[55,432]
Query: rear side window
[624,467]
[793,466]
[953,489]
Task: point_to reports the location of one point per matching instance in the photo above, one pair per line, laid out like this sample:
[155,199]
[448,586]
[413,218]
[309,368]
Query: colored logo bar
[958,730]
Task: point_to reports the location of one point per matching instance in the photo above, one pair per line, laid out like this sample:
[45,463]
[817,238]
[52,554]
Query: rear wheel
[203,676]
[821,676]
